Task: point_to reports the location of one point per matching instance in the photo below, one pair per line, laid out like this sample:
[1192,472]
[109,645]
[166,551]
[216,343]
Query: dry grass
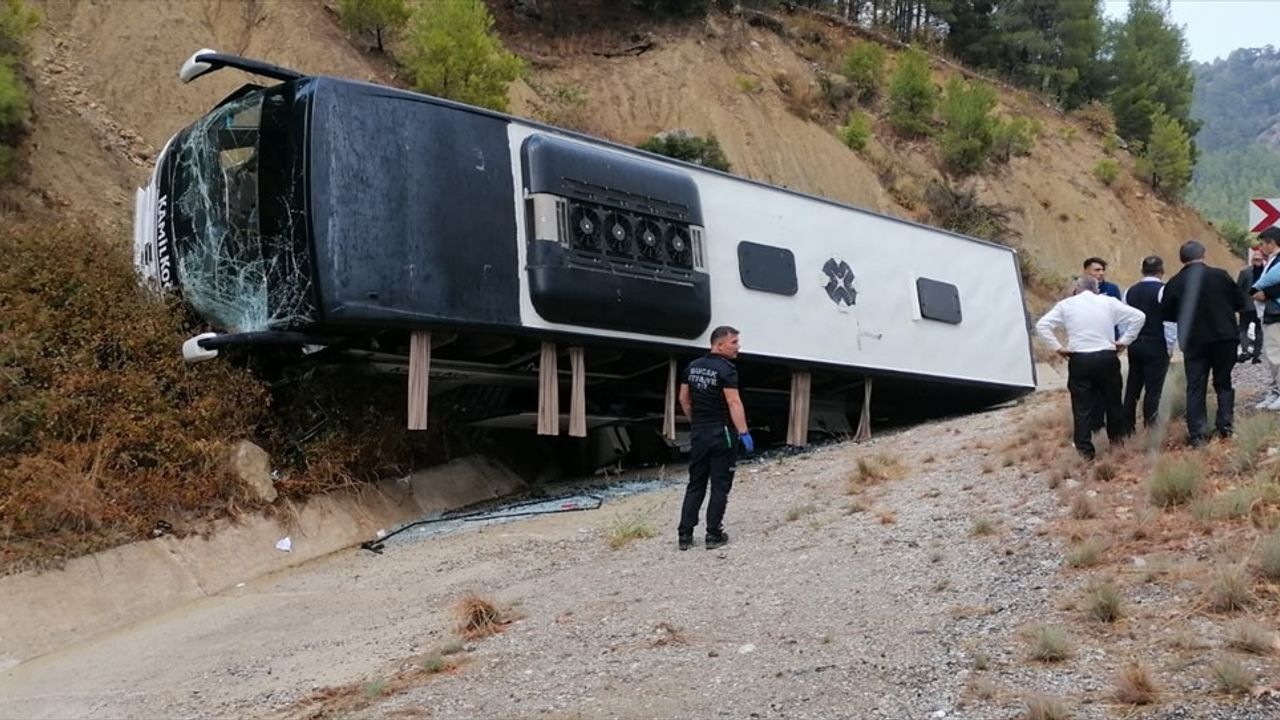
[1105,471]
[1082,507]
[873,470]
[1251,434]
[983,527]
[1269,557]
[1252,638]
[1046,708]
[668,634]
[1135,685]
[887,517]
[1050,644]
[1230,588]
[1232,677]
[623,530]
[798,511]
[1086,554]
[1176,481]
[477,617]
[1103,603]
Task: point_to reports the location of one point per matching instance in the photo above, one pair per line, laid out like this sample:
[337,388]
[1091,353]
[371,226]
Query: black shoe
[1257,361]
[715,540]
[686,542]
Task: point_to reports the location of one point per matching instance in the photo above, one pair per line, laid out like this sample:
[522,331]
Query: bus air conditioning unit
[615,242]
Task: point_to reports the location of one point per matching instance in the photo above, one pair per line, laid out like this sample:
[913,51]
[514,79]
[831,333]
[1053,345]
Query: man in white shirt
[1093,357]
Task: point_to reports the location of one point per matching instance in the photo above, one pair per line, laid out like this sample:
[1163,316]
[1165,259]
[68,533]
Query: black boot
[716,539]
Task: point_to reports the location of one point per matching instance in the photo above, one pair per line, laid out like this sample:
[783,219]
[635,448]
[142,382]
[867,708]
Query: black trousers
[1253,349]
[712,457]
[1093,379]
[1219,357]
[1148,365]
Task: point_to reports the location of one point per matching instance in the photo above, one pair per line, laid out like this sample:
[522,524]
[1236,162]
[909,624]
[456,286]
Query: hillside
[1237,100]
[107,97]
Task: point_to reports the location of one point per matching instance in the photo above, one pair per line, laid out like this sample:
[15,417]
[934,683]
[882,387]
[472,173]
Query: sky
[1213,28]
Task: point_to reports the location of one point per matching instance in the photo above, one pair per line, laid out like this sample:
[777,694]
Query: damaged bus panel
[323,217]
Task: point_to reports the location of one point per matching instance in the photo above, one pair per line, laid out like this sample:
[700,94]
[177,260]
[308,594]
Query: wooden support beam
[577,394]
[419,373]
[548,392]
[669,411]
[798,424]
[864,422]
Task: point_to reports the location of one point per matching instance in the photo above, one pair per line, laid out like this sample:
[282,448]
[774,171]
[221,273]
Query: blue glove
[747,442]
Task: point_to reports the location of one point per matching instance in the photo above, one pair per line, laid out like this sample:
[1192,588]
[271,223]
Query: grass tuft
[1269,557]
[798,511]
[1086,553]
[1174,482]
[622,531]
[1135,685]
[1045,708]
[1105,471]
[1050,644]
[1231,589]
[1082,507]
[1251,433]
[1103,603]
[983,527]
[1232,677]
[874,469]
[478,616]
[1252,638]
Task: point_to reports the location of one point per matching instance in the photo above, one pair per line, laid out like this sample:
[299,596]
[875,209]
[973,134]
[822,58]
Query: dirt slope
[108,98]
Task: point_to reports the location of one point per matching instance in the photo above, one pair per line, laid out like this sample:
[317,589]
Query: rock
[252,466]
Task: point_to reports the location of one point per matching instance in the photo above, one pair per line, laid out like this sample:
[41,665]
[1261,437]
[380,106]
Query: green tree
[912,96]
[1152,73]
[857,132]
[1168,158]
[970,129]
[17,20]
[864,67]
[1015,136]
[1226,180]
[688,147]
[374,17]
[452,52]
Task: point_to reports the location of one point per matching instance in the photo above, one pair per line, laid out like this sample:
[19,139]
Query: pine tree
[1152,73]
[912,96]
[1168,157]
[970,134]
[453,53]
[375,17]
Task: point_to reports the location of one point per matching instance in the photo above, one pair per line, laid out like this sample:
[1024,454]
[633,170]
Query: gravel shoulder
[885,603]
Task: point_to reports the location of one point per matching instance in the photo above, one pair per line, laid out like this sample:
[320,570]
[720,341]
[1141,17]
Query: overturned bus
[331,220]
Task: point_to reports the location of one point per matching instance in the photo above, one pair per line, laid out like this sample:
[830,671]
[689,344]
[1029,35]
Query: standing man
[709,398]
[1204,302]
[1250,317]
[1093,357]
[1269,312]
[1150,352]
[1097,268]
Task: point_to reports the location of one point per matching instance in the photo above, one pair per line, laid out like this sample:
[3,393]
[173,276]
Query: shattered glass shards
[240,270]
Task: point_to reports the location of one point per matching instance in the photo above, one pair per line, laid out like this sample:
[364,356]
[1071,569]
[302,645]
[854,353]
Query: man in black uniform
[1150,351]
[709,398]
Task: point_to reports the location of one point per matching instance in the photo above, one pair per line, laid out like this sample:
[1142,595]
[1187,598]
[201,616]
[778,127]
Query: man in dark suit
[1204,301]
[1149,353]
[1249,316]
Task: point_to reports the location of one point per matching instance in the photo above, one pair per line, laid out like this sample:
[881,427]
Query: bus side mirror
[193,68]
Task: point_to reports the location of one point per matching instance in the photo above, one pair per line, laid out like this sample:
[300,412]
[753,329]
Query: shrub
[685,146]
[1097,118]
[1175,481]
[452,52]
[960,211]
[912,96]
[1050,645]
[1110,144]
[1107,170]
[1232,677]
[17,20]
[857,132]
[1270,557]
[864,67]
[1015,136]
[373,17]
[1104,603]
[970,129]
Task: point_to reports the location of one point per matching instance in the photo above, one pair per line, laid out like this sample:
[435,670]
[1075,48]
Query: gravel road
[886,603]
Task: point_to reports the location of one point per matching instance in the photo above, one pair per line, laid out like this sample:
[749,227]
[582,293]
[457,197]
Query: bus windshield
[237,214]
